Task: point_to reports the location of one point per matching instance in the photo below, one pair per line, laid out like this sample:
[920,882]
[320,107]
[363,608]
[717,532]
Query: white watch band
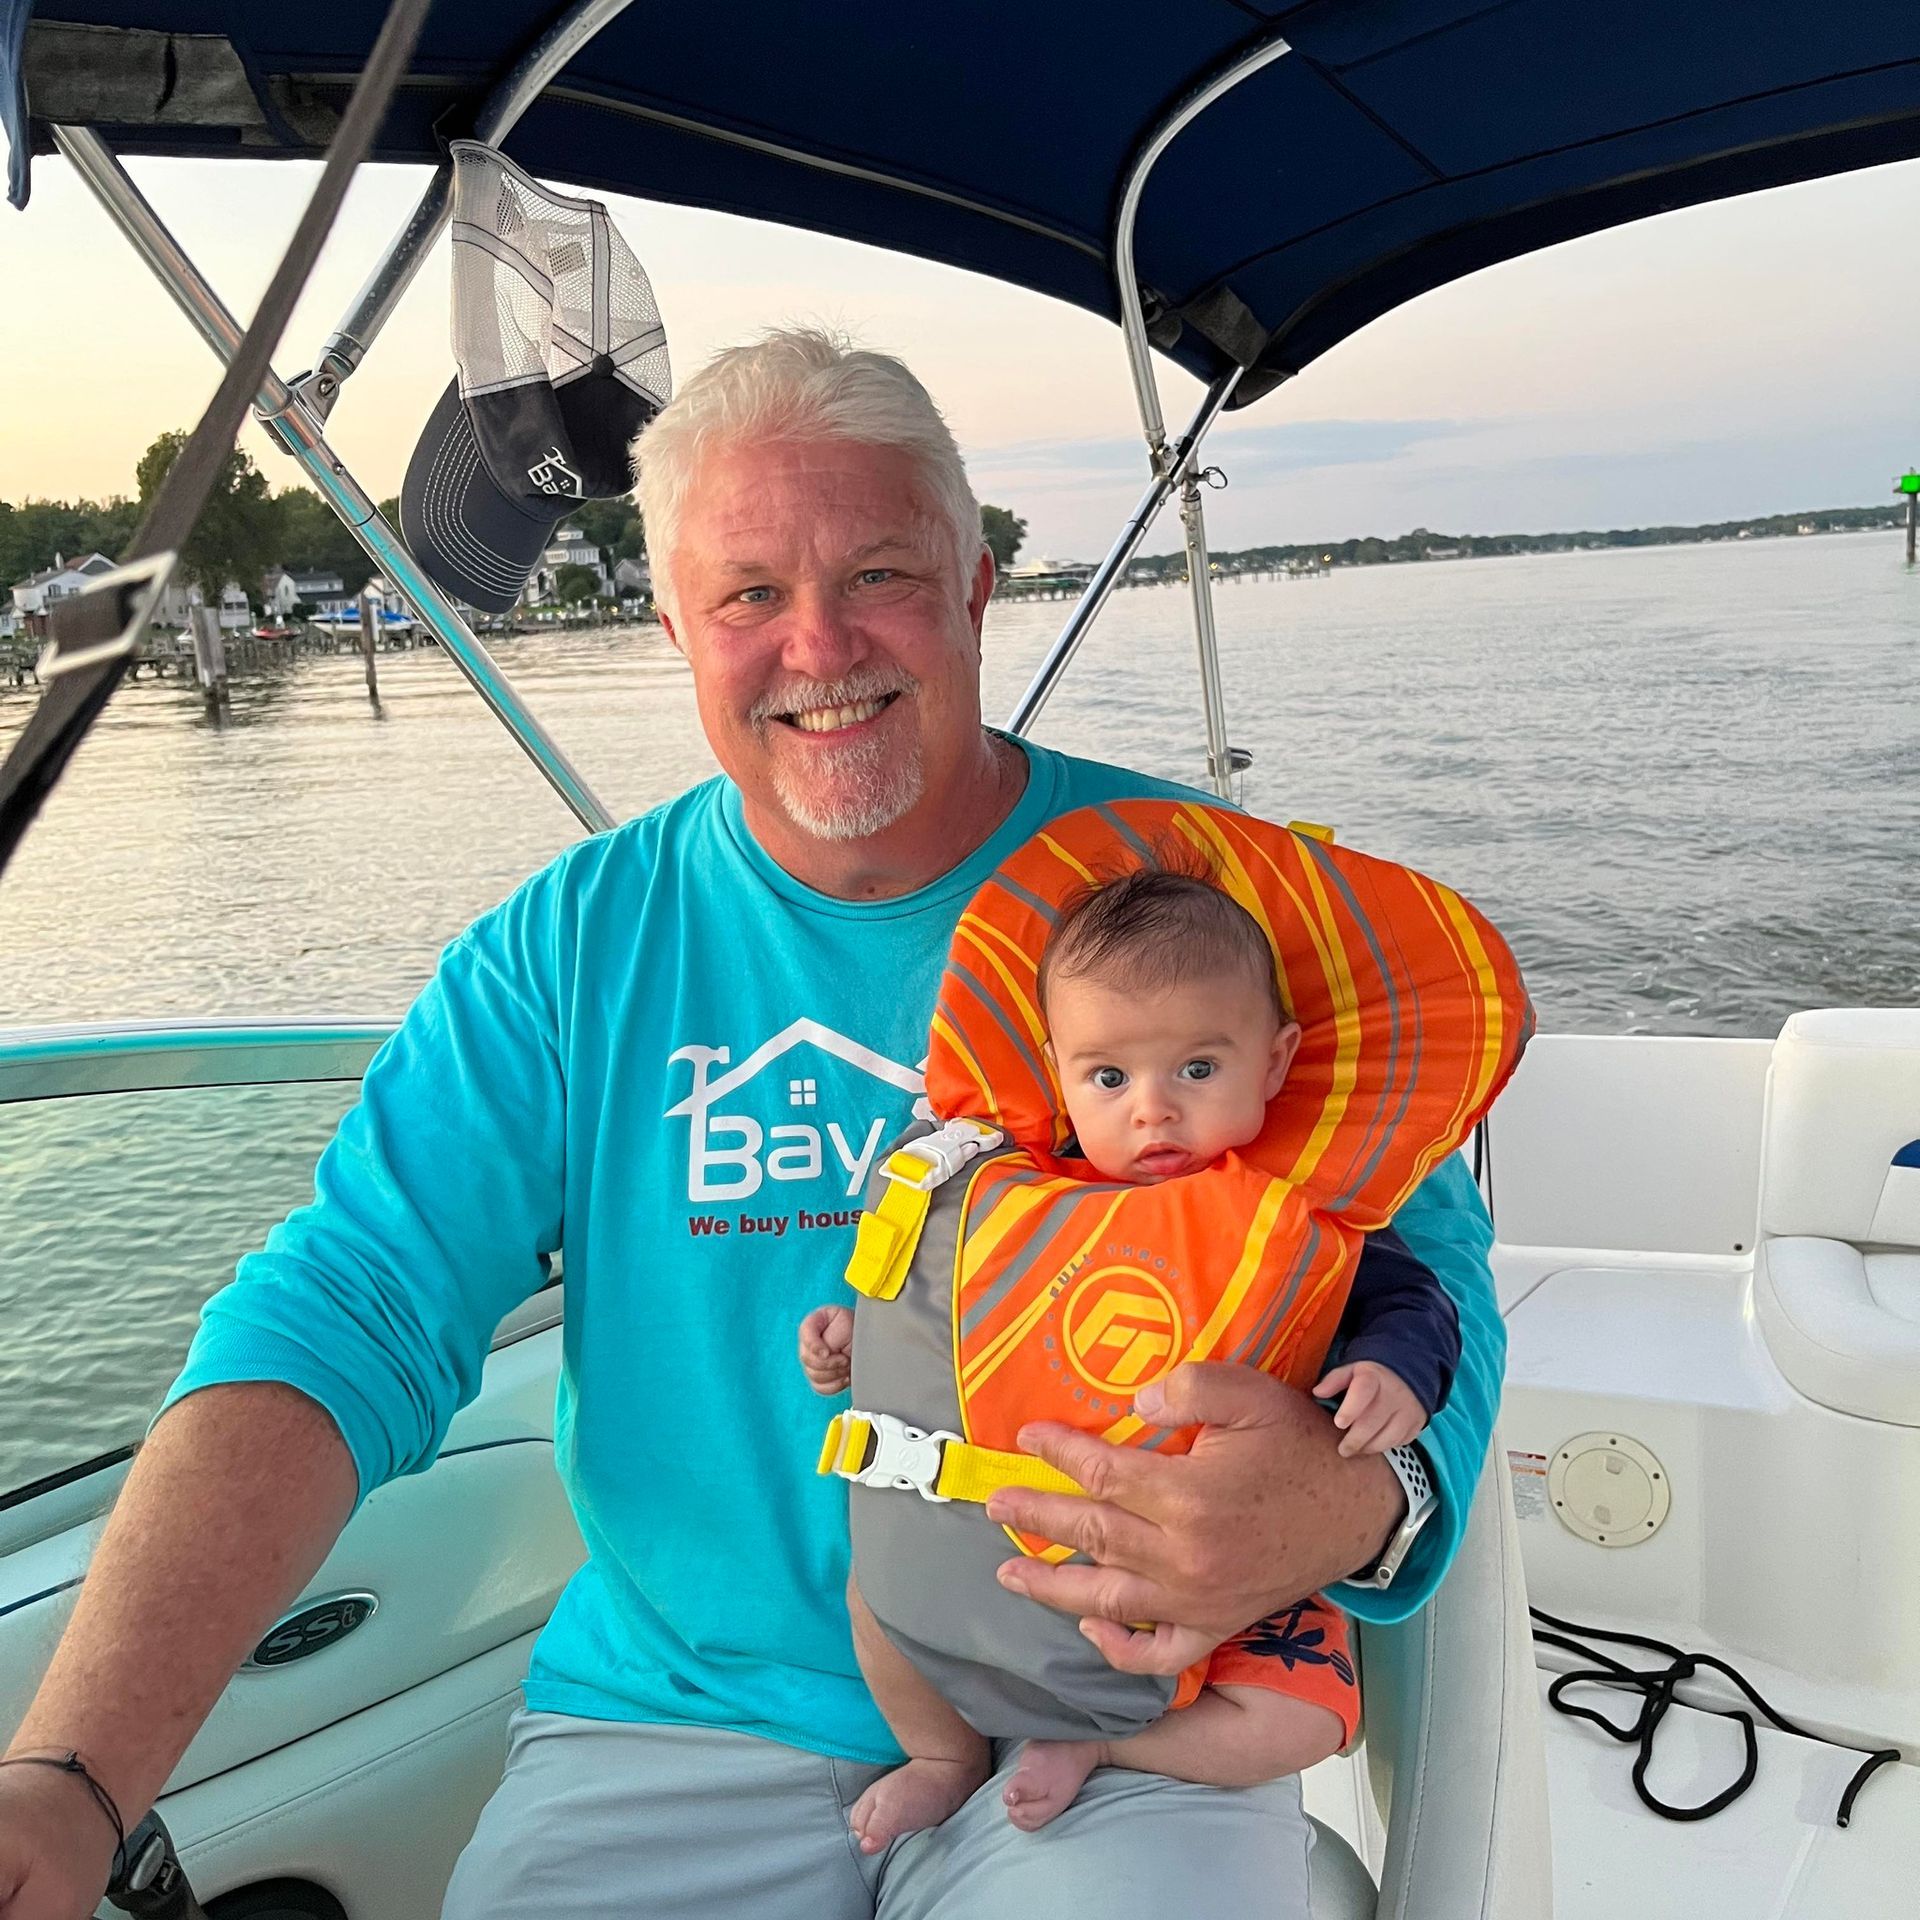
[1409,1466]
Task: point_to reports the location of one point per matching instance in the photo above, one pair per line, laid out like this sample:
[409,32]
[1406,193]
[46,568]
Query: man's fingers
[1104,1533]
[1105,1471]
[1159,1649]
[1100,1593]
[1213,1393]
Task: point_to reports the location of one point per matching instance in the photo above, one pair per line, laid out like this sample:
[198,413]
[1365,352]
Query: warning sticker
[1528,1472]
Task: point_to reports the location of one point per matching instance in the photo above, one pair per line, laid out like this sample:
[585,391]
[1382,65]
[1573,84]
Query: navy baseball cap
[563,359]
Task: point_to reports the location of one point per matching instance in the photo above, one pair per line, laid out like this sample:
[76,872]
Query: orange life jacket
[1070,1292]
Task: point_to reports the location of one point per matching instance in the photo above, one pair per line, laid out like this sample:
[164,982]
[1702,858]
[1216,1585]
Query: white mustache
[796,696]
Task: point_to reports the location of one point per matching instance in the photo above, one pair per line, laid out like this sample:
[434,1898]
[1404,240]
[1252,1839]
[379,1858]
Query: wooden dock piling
[370,642]
[209,658]
[1909,484]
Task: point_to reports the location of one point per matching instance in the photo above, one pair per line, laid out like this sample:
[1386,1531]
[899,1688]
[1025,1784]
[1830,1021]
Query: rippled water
[1681,780]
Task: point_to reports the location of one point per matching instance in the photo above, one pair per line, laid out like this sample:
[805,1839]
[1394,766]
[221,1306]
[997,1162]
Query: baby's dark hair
[1155,926]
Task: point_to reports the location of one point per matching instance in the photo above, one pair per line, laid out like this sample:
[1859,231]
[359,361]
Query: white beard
[844,792]
[855,791]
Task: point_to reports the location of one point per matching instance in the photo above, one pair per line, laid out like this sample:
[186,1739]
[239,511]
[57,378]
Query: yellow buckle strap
[1312,829]
[888,1232]
[844,1449]
[968,1472]
[880,1450]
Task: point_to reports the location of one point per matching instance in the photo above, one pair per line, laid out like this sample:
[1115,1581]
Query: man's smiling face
[833,635]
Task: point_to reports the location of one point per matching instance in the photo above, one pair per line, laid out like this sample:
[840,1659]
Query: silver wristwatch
[1409,1466]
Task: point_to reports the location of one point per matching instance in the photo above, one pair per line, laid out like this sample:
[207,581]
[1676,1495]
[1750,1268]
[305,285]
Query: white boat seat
[1836,1278]
[1342,1888]
[1844,1325]
[1451,1713]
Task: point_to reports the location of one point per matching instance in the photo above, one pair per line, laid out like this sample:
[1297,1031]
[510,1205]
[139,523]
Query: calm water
[1682,781]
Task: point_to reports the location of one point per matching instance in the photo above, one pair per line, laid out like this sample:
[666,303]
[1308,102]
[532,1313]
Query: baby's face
[1162,1084]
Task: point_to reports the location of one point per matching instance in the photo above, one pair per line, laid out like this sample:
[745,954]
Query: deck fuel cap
[1608,1489]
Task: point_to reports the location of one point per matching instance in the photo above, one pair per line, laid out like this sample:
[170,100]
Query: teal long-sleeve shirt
[668,1055]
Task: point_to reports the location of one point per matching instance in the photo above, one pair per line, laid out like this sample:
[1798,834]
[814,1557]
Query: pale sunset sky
[1750,357]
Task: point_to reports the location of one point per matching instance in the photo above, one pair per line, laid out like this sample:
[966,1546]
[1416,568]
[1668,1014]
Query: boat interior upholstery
[1837,1270]
[1453,1745]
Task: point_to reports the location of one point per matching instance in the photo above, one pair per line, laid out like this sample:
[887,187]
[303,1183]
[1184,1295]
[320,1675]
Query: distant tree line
[1424,544]
[1003,531]
[245,529]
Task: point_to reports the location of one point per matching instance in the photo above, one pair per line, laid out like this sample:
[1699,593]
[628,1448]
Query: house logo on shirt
[765,1124]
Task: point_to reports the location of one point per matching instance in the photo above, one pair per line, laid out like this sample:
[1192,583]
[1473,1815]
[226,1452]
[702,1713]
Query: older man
[714,1012]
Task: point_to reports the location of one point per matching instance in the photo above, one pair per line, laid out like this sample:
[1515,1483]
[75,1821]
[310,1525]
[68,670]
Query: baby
[1169,1036]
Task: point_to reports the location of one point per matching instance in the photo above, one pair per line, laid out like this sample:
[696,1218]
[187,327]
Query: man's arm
[229,1508]
[1445,1225]
[1263,1509]
[332,1363]
[435,1210]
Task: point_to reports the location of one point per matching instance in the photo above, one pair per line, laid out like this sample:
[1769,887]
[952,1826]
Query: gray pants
[600,1820]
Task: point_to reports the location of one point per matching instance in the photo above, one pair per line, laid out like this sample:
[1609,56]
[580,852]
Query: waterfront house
[1063,571]
[35,597]
[178,601]
[569,547]
[633,579]
[284,591]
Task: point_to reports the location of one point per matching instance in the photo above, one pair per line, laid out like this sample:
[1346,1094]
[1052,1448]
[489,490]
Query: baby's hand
[1377,1409]
[826,1349]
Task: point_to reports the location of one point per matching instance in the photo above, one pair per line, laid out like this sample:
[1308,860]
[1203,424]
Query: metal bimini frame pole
[293,413]
[1166,478]
[1173,466]
[374,304]
[290,423]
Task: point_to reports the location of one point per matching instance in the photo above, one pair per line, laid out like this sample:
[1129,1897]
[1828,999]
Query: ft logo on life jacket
[1122,1328]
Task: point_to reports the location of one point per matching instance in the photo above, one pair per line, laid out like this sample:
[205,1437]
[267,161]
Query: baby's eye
[1109,1079]
[1197,1070]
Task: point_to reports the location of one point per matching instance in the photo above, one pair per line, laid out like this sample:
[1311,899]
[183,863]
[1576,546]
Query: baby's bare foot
[1050,1773]
[920,1794]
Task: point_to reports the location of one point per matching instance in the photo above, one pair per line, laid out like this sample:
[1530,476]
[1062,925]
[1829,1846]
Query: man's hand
[56,1848]
[1262,1511]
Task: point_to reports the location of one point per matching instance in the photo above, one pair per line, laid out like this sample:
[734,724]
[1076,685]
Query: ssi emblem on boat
[310,1629]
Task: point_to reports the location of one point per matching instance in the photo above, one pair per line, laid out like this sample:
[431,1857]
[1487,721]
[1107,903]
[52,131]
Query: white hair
[799,383]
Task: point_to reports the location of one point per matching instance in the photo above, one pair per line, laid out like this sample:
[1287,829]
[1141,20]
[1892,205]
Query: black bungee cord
[1658,1688]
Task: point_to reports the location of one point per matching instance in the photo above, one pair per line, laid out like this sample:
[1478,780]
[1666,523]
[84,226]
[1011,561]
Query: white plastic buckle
[942,1153]
[905,1458]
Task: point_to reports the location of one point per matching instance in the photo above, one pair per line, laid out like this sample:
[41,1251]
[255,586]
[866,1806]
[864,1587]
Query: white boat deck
[1626,1175]
[1775,1854]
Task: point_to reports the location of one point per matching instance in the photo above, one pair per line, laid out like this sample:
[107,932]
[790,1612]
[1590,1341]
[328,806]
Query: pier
[170,656]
